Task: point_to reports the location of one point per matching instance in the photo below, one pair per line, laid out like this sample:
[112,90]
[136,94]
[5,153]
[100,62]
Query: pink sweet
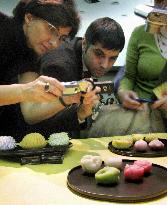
[140,145]
[144,164]
[156,145]
[133,172]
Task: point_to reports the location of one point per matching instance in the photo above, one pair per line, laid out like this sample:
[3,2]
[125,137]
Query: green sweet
[150,137]
[122,144]
[137,137]
[58,139]
[107,175]
[33,141]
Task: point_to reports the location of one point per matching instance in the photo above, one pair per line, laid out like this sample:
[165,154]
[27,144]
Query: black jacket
[15,58]
[65,63]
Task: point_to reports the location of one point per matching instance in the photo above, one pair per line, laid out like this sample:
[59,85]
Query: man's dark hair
[59,15]
[159,1]
[107,32]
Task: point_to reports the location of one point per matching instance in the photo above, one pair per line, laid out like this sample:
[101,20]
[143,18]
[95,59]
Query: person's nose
[54,42]
[105,63]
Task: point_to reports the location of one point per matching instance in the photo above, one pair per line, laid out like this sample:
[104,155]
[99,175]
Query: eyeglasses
[56,36]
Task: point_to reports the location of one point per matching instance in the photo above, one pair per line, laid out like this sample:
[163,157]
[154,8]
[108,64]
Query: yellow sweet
[122,144]
[151,136]
[33,141]
[137,137]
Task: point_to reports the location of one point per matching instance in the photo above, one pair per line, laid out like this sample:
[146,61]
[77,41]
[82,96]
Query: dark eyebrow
[99,50]
[114,57]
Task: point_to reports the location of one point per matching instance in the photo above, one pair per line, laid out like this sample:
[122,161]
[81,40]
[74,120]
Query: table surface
[46,183]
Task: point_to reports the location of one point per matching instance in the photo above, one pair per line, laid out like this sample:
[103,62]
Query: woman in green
[145,60]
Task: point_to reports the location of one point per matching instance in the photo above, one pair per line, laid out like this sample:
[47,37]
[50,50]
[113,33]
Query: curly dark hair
[59,15]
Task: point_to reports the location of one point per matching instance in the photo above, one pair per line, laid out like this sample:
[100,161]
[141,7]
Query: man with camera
[91,56]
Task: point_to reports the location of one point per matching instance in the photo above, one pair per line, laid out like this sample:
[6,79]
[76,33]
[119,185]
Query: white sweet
[90,163]
[113,162]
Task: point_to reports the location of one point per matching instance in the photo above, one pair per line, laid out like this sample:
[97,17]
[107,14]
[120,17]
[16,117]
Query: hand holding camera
[89,100]
[71,88]
[87,92]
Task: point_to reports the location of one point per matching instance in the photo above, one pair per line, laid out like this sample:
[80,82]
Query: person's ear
[28,18]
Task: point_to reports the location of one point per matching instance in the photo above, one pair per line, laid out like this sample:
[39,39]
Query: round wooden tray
[152,186]
[131,152]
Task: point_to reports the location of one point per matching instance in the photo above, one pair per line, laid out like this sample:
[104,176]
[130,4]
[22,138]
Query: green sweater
[144,64]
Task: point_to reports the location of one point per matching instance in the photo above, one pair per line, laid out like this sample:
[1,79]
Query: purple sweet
[156,145]
[140,145]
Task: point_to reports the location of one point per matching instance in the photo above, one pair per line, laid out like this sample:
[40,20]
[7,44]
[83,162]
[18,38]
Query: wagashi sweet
[90,163]
[122,143]
[57,139]
[137,137]
[33,141]
[145,164]
[113,162]
[141,146]
[7,143]
[107,175]
[156,145]
[150,137]
[133,172]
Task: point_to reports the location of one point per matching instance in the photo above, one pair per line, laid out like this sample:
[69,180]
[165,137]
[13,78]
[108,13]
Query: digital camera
[75,87]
